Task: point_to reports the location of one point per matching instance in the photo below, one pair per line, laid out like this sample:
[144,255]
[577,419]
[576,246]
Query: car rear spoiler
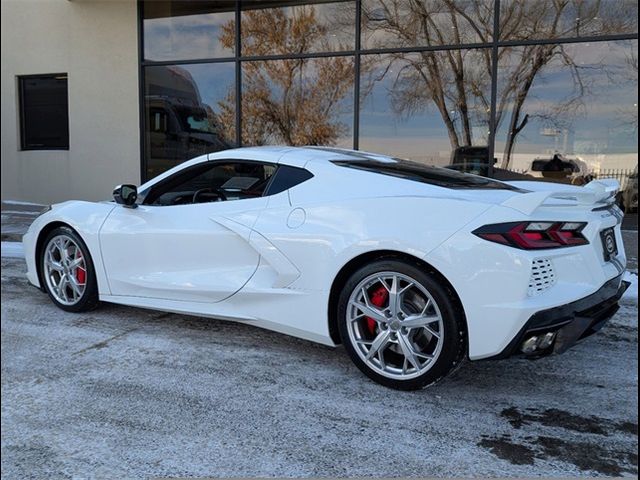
[597,193]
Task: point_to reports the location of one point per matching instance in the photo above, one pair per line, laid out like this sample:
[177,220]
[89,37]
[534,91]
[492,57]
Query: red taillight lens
[535,235]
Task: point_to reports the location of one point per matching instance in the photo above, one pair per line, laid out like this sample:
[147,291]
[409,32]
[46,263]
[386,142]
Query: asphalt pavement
[128,393]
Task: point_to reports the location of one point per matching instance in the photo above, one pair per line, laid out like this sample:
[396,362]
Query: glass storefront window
[575,103]
[298,102]
[189,110]
[550,19]
[574,100]
[401,23]
[425,106]
[188,30]
[273,28]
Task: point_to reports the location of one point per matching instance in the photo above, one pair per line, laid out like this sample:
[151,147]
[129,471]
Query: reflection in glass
[320,27]
[185,115]
[424,106]
[297,102]
[402,23]
[187,30]
[549,19]
[576,102]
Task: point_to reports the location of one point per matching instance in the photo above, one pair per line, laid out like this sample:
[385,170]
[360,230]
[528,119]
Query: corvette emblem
[611,246]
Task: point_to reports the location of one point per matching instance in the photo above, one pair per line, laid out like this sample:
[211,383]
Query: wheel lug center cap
[394,325]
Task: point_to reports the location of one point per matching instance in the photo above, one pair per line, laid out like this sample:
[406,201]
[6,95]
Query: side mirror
[126,195]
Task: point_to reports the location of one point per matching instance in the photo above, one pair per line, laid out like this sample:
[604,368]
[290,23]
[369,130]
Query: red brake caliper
[378,298]
[81,274]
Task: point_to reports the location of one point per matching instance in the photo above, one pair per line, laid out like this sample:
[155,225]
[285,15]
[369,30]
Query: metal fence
[622,175]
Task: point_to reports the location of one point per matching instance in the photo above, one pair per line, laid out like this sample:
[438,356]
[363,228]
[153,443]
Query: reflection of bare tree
[548,19]
[437,80]
[522,65]
[297,101]
[459,88]
[443,80]
[628,116]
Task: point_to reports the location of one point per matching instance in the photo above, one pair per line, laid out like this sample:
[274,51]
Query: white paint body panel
[271,261]
[150,251]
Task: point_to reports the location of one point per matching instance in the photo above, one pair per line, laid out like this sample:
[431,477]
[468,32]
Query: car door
[174,249]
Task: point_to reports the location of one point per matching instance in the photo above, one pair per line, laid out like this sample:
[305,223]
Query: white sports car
[412,268]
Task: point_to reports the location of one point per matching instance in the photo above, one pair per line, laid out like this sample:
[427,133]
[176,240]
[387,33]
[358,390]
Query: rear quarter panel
[333,233]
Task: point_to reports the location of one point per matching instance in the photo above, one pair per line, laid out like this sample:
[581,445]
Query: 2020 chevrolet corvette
[413,268]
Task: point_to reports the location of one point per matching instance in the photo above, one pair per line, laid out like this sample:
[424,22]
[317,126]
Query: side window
[287,177]
[213,182]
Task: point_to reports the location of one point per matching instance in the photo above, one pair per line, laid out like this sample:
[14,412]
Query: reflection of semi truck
[179,124]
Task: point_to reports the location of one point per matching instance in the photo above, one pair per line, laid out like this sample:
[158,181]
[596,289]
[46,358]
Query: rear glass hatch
[419,172]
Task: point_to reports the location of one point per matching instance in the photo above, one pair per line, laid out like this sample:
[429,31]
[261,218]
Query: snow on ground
[12,250]
[128,393]
[18,202]
[631,295]
[6,213]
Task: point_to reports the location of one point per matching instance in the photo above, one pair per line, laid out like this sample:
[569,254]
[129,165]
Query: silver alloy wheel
[395,325]
[65,270]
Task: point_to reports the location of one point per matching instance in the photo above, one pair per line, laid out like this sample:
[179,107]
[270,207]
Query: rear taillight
[535,235]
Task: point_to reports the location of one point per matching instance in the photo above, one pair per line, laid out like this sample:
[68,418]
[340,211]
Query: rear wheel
[67,271]
[400,325]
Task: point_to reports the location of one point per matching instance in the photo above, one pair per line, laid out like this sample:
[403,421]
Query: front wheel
[67,271]
[400,325]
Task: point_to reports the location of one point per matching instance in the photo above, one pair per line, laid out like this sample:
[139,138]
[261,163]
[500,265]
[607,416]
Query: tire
[433,340]
[80,289]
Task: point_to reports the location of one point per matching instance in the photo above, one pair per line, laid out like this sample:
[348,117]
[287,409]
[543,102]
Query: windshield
[419,172]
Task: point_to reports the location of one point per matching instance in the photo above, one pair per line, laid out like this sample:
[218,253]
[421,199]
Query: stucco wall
[95,42]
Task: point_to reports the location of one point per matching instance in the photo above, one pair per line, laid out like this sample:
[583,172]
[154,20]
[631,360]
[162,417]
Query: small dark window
[287,177]
[44,112]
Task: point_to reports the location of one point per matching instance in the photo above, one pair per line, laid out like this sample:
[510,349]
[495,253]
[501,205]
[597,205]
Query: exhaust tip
[537,343]
[530,345]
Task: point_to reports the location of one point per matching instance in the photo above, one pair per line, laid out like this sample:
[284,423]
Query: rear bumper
[570,323]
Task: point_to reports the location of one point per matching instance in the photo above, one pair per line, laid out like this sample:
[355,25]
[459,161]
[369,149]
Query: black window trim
[279,169]
[21,111]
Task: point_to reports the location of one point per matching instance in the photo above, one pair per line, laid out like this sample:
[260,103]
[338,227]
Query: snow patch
[631,295]
[18,202]
[12,250]
[6,213]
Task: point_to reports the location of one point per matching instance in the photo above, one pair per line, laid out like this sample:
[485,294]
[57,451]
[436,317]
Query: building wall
[95,42]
